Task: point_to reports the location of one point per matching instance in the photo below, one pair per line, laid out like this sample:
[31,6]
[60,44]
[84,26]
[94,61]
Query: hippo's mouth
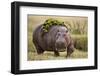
[61,49]
[60,46]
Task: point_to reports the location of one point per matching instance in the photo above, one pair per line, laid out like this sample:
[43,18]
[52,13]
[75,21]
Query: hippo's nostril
[60,45]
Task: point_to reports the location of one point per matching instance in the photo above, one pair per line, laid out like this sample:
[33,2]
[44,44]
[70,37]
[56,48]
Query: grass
[50,55]
[80,42]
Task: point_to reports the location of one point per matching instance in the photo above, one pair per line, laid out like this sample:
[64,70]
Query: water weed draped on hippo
[57,38]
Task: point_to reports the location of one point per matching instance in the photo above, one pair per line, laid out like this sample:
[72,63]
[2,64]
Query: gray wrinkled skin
[56,39]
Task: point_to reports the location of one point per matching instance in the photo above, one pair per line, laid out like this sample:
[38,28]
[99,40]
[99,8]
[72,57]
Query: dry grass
[50,55]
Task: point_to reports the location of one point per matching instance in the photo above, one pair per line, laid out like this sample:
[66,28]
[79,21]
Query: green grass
[80,42]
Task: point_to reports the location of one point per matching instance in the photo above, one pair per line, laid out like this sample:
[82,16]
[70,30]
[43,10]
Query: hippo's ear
[68,27]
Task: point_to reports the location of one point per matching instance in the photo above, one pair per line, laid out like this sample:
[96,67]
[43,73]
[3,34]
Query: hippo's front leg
[69,50]
[56,53]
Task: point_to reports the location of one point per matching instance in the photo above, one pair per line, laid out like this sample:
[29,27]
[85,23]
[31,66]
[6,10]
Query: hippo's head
[62,38]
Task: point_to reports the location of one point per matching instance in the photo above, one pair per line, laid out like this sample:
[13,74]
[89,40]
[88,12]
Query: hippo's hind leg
[39,49]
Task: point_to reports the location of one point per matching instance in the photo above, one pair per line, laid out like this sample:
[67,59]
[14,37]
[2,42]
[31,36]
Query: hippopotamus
[57,38]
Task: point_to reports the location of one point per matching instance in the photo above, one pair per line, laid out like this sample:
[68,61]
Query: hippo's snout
[60,45]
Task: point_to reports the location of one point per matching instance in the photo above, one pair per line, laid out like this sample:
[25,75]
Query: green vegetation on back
[51,22]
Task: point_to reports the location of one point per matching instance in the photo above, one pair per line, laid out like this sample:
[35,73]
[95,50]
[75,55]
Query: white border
[26,65]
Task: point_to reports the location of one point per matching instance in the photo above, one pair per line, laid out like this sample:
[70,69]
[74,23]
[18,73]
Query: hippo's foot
[56,53]
[67,56]
[40,52]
